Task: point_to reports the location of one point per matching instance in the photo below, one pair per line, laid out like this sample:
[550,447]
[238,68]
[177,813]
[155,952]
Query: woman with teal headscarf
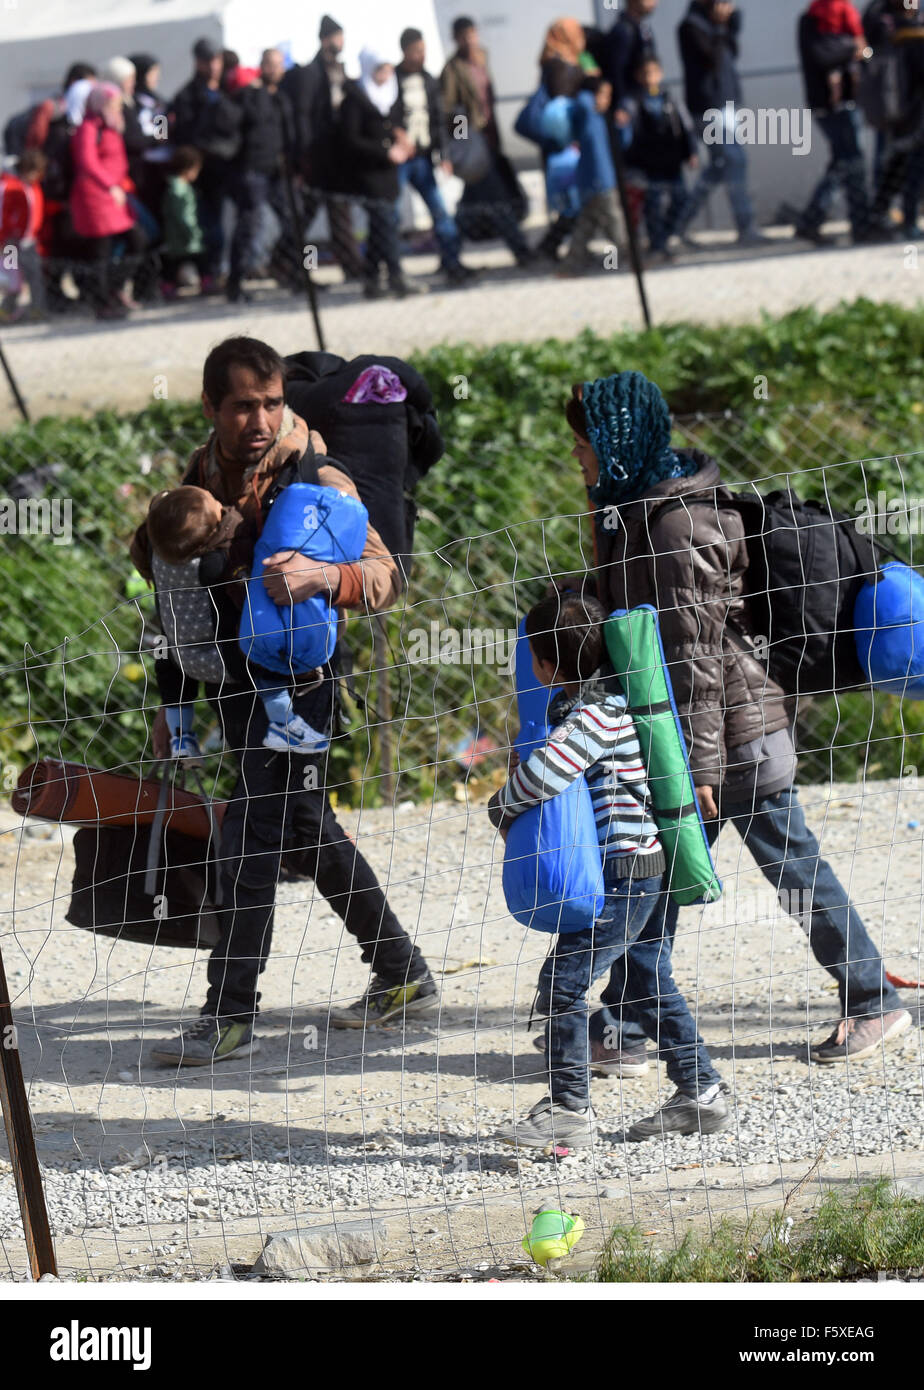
[667,533]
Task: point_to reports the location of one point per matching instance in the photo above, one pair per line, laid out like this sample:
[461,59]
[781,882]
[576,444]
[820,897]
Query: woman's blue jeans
[774,830]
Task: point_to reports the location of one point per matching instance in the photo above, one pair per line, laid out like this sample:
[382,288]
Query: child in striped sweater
[594,734]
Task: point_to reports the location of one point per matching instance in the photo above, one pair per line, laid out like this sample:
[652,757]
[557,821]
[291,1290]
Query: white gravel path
[72,367]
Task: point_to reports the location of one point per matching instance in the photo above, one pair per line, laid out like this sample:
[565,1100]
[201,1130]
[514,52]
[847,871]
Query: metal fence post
[18,1123]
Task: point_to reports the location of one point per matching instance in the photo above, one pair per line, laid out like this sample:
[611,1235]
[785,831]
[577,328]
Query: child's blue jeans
[633,912]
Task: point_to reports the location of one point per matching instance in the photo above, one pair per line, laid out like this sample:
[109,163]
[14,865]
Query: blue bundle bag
[553,870]
[322,524]
[889,630]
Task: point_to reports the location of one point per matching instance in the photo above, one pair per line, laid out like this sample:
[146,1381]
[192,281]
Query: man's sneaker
[295,737]
[383,1003]
[604,1061]
[208,1040]
[856,1038]
[185,746]
[684,1114]
[549,1124]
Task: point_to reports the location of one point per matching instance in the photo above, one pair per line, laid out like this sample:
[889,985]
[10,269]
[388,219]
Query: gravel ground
[72,367]
[323,1125]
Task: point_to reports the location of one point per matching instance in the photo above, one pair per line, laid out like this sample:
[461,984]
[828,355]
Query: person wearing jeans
[728,164]
[846,169]
[594,736]
[421,115]
[708,38]
[669,534]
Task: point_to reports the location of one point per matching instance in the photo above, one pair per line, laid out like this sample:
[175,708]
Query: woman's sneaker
[208,1040]
[186,747]
[685,1114]
[384,1003]
[296,736]
[549,1124]
[856,1038]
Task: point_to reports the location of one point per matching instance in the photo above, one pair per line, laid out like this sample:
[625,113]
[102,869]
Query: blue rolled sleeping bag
[889,630]
[322,524]
[553,871]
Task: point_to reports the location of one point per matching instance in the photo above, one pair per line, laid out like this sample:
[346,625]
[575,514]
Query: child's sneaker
[295,737]
[186,747]
[549,1124]
[685,1114]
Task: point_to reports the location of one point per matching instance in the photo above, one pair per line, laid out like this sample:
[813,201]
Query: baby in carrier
[199,552]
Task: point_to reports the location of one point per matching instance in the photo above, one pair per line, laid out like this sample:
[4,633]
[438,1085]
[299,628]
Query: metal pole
[384,711]
[20,403]
[634,253]
[297,232]
[18,1124]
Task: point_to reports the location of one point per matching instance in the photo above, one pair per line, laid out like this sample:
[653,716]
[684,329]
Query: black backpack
[386,449]
[807,563]
[110,895]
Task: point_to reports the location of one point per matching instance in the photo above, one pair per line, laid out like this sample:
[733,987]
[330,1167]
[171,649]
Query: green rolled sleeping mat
[633,640]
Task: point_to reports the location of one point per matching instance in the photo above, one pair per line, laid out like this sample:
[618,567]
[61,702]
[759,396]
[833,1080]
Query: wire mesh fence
[87,500]
[377,1149]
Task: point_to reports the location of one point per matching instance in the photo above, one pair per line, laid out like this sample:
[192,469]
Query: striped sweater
[594,734]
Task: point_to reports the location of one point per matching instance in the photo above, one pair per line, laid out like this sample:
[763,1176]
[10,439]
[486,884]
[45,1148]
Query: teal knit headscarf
[629,427]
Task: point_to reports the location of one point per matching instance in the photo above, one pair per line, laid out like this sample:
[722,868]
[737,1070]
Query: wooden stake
[18,1124]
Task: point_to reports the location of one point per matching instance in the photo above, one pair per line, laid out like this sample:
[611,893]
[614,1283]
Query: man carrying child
[256,448]
[594,734]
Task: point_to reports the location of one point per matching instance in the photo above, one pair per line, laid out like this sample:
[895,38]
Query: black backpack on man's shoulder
[386,448]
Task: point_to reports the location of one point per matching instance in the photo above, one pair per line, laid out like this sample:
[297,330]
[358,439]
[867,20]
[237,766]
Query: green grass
[875,1229]
[843,386]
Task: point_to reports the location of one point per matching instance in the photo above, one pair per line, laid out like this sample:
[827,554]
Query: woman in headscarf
[375,145]
[667,533]
[99,199]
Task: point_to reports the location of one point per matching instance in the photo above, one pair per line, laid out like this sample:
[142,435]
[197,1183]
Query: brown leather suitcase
[61,791]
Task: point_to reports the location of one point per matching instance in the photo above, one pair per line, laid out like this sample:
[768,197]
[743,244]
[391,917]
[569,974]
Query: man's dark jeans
[269,809]
[775,832]
[625,939]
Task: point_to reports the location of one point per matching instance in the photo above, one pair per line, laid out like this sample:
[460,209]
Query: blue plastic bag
[322,524]
[557,123]
[889,631]
[528,122]
[553,870]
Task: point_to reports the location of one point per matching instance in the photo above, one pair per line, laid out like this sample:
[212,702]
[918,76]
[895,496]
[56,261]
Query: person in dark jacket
[488,205]
[830,72]
[202,115]
[620,51]
[377,146]
[267,141]
[316,91]
[420,113]
[256,447]
[662,143]
[708,39]
[689,560]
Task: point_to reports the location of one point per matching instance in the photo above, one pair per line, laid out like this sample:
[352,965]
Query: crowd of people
[141,197]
